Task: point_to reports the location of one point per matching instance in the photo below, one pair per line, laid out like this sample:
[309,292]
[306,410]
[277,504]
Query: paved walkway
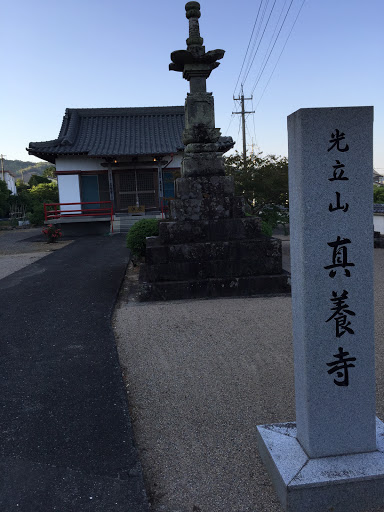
[21,247]
[66,441]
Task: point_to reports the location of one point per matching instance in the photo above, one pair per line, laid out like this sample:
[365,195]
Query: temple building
[129,157]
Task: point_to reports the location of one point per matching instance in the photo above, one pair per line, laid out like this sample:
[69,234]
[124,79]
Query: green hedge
[138,233]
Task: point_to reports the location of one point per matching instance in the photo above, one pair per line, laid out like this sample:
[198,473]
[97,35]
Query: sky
[114,53]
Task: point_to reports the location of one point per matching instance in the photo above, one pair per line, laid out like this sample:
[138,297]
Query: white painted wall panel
[378,223]
[76,163]
[69,190]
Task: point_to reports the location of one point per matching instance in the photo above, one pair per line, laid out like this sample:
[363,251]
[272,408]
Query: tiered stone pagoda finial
[193,14]
[204,147]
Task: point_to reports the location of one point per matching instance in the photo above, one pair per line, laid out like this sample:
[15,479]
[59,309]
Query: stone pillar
[199,192]
[331,220]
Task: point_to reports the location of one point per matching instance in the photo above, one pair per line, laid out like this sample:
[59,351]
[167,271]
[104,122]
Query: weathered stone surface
[260,251]
[206,197]
[200,119]
[224,255]
[185,270]
[197,188]
[196,65]
[212,288]
[205,208]
[202,164]
[204,231]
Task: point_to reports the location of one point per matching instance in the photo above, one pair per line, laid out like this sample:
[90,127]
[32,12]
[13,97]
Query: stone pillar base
[206,198]
[212,258]
[343,483]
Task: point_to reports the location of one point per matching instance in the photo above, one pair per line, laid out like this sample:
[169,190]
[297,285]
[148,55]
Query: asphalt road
[66,441]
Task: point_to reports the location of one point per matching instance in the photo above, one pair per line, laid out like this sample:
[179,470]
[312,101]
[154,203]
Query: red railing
[54,210]
[165,207]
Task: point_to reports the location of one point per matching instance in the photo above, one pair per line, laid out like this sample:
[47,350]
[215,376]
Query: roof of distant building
[113,132]
[378,208]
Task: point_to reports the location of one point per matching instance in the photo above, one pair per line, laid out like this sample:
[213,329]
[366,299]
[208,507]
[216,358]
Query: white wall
[69,190]
[176,162]
[10,182]
[378,223]
[78,163]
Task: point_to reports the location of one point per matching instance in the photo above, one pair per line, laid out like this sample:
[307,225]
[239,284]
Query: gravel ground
[200,375]
[17,251]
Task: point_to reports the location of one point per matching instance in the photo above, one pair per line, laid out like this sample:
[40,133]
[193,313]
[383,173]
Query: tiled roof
[113,132]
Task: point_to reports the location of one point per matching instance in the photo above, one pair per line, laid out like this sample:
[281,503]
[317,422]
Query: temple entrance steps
[122,222]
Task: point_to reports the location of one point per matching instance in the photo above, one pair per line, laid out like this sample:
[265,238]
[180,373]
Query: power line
[250,39]
[261,72]
[229,124]
[256,37]
[275,30]
[258,46]
[286,41]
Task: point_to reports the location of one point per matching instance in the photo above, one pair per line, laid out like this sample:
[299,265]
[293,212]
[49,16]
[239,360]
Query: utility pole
[2,166]
[243,112]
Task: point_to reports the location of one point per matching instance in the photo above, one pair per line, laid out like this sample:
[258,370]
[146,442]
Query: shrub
[138,233]
[52,233]
[266,228]
[36,217]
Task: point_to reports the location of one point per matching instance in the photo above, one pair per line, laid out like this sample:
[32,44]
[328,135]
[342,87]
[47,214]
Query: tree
[23,198]
[40,194]
[45,193]
[4,198]
[35,179]
[50,172]
[378,194]
[32,199]
[263,182]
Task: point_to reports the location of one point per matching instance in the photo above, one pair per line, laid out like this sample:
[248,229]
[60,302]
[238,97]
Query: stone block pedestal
[336,484]
[212,258]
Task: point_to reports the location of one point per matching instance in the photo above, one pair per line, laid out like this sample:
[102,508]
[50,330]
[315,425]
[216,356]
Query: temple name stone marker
[332,458]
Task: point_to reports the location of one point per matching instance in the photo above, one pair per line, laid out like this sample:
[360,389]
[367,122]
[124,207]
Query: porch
[127,188]
[86,218]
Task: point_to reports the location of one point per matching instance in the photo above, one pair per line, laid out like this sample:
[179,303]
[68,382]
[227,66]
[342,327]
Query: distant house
[10,181]
[378,179]
[129,156]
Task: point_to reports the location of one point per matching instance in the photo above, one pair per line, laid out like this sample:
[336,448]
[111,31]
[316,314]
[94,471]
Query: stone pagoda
[209,248]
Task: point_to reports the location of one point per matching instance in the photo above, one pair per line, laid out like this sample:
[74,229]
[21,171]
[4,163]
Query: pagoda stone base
[206,197]
[212,258]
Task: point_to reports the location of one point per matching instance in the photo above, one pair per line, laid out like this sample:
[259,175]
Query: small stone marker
[330,459]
